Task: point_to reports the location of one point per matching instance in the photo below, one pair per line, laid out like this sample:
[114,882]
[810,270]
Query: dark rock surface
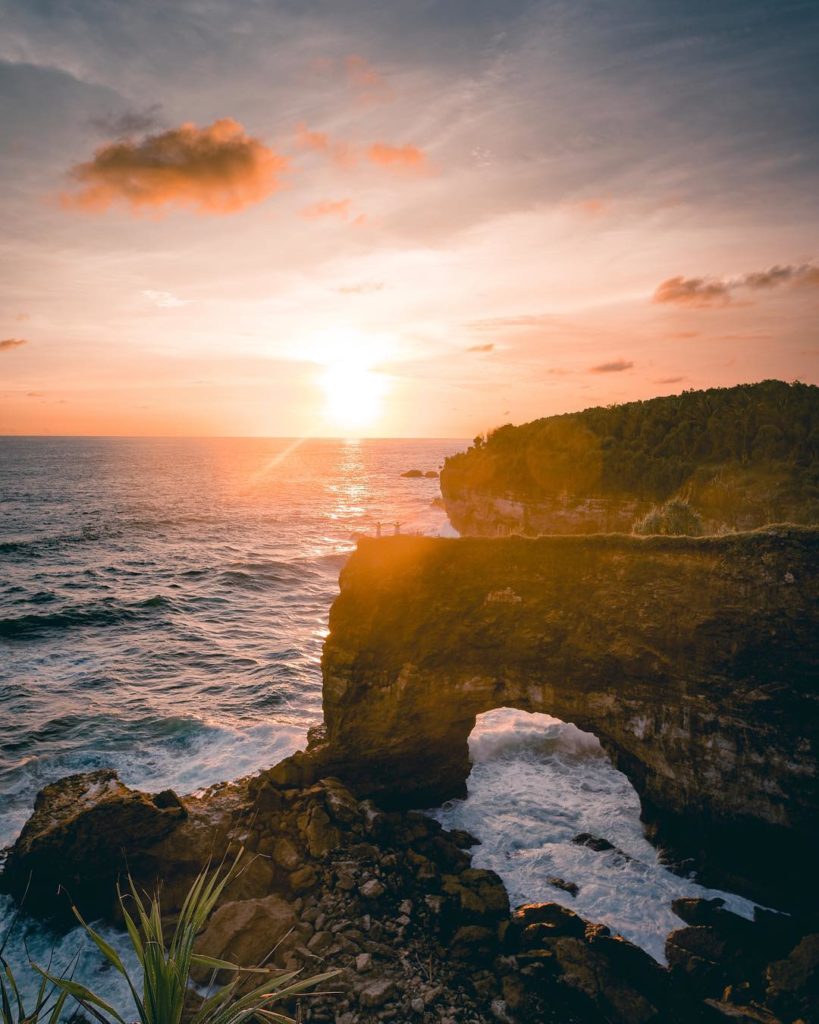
[693,661]
[391,901]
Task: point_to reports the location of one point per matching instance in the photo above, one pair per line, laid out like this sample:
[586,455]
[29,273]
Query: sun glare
[353,390]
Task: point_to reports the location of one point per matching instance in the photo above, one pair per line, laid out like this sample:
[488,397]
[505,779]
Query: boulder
[246,932]
[86,831]
[793,983]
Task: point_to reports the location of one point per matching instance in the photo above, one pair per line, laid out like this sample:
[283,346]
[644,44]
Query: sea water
[163,604]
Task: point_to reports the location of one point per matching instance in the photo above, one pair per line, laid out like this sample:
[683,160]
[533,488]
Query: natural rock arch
[692,660]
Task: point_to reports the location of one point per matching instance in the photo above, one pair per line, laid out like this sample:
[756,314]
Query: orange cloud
[328,208]
[9,343]
[396,157]
[481,348]
[217,169]
[365,79]
[692,291]
[341,153]
[345,154]
[615,366]
[703,291]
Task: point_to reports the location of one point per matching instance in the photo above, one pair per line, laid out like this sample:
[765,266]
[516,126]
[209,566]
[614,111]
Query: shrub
[675,518]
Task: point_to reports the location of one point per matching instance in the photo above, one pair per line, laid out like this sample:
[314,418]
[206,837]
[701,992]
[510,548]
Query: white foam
[536,783]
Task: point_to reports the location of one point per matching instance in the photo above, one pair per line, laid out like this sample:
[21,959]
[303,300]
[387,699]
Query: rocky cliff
[692,660]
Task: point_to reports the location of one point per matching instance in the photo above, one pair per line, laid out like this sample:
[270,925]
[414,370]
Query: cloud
[165,300]
[692,291]
[129,123]
[341,153]
[481,348]
[369,83]
[669,380]
[341,208]
[22,317]
[345,154]
[396,157]
[217,169]
[705,291]
[35,394]
[9,343]
[361,288]
[500,323]
[615,366]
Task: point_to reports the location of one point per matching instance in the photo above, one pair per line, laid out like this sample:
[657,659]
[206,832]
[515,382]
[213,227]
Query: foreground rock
[80,834]
[693,660]
[392,901]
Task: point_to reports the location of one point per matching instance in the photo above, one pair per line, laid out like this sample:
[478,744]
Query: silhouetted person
[397,527]
[378,529]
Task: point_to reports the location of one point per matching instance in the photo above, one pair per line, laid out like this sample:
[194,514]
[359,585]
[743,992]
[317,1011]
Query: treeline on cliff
[754,436]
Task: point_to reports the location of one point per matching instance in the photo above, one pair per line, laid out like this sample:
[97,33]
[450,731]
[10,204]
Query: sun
[354,391]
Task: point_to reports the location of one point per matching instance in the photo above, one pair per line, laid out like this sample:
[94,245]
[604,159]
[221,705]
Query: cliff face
[692,660]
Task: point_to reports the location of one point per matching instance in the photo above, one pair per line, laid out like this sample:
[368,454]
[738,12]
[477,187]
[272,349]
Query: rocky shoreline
[391,900]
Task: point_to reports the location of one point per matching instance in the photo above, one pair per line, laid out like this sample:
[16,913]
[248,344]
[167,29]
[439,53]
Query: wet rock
[412,474]
[550,919]
[696,911]
[572,888]
[85,831]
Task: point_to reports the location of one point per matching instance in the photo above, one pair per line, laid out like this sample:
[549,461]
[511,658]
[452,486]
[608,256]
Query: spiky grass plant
[46,1008]
[165,993]
[48,1001]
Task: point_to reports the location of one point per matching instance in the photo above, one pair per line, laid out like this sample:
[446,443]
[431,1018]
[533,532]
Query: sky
[409,218]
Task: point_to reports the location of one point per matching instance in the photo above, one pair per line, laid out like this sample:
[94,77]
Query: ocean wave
[107,612]
[34,547]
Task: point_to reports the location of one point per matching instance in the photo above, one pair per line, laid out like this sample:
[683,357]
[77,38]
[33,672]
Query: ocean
[163,604]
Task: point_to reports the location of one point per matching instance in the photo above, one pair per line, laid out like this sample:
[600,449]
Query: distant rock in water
[431,474]
[725,459]
[412,474]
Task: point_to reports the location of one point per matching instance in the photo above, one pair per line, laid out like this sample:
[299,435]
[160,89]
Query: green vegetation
[164,995]
[46,1008]
[674,519]
[742,439]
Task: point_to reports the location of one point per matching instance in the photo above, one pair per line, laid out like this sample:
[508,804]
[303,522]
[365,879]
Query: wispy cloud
[217,169]
[401,158]
[361,288]
[709,291]
[481,348]
[9,343]
[341,208]
[345,154]
[165,300]
[131,122]
[669,380]
[615,366]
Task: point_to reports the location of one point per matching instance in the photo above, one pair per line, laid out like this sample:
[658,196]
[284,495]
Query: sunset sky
[427,218]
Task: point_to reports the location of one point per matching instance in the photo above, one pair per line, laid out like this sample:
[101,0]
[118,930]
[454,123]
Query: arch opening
[558,822]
